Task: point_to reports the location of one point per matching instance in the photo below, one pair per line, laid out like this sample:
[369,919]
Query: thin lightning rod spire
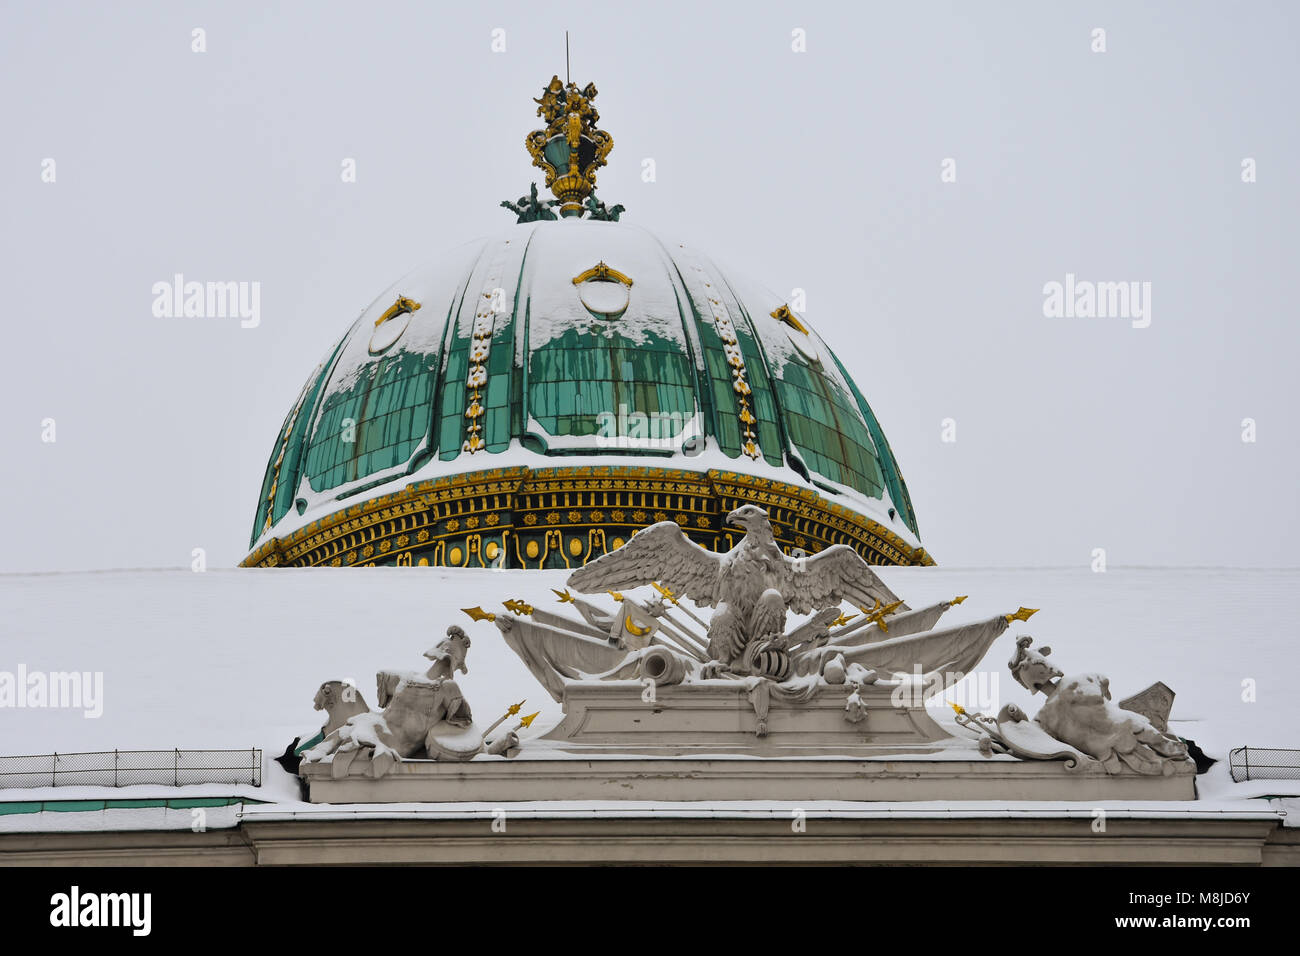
[567,78]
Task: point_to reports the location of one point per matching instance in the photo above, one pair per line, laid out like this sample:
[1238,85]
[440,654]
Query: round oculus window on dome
[803,344]
[604,291]
[390,326]
[797,333]
[386,336]
[603,298]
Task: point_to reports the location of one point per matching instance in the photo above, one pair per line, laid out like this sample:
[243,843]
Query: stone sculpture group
[746,655]
[1079,721]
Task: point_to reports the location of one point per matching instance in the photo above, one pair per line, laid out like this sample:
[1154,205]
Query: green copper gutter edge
[92,806]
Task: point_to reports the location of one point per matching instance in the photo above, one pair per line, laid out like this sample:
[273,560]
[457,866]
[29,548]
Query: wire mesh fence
[124,768]
[1262,763]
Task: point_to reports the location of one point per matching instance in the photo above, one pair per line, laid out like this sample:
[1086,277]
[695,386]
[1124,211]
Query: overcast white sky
[818,170]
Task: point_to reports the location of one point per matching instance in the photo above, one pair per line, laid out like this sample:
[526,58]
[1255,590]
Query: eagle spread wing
[831,576]
[657,553]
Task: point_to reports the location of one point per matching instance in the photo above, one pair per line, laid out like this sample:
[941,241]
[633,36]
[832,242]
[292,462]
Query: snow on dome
[570,349]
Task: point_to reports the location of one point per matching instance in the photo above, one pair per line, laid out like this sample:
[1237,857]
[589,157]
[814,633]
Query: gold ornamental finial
[571,147]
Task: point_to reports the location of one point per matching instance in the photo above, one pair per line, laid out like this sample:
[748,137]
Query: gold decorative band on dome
[480,346]
[735,359]
[522,517]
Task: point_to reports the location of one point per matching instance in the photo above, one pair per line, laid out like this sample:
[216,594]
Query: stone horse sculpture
[341,701]
[423,716]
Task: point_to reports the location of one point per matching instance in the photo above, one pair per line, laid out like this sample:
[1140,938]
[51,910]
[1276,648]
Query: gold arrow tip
[564,596]
[527,721]
[1024,614]
[478,614]
[959,599]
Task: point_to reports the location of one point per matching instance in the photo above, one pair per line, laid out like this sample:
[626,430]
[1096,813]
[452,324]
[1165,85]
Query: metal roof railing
[1264,763]
[124,768]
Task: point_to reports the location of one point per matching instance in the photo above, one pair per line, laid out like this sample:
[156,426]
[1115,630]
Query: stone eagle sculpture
[753,585]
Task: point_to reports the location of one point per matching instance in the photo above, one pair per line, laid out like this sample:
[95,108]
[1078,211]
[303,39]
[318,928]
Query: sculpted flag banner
[908,622]
[553,655]
[953,650]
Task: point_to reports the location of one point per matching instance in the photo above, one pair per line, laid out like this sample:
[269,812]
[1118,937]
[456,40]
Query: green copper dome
[577,344]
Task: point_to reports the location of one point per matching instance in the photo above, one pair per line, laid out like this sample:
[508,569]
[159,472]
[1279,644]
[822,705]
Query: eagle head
[751,518]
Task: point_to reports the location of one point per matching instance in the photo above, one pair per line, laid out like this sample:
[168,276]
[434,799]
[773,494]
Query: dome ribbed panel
[284,470]
[554,375]
[889,464]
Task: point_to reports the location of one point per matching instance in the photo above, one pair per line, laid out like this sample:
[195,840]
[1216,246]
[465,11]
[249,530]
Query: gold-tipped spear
[669,596]
[510,712]
[682,638]
[696,644]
